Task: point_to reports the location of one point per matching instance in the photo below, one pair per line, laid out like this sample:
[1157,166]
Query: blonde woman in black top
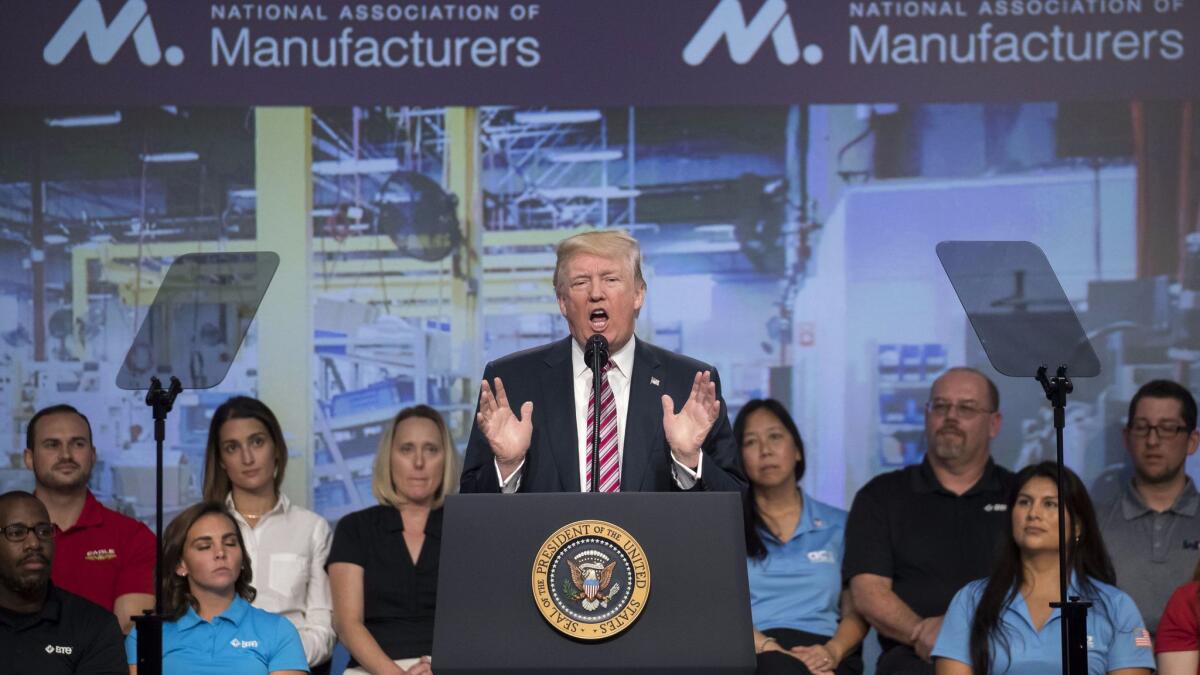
[384,560]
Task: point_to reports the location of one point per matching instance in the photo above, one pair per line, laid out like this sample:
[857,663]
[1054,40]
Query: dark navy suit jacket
[543,375]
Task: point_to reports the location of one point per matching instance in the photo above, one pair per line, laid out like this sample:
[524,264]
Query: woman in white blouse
[243,468]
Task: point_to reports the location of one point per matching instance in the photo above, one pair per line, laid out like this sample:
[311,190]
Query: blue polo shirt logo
[235,643]
[823,556]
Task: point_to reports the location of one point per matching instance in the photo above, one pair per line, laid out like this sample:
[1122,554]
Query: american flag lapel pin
[654,381]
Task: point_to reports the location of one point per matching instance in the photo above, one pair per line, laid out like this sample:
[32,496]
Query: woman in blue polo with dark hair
[803,620]
[1004,623]
[211,628]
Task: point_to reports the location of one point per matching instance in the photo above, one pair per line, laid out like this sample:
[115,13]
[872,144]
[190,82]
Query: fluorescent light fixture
[557,116]
[722,229]
[85,120]
[101,238]
[250,193]
[610,192]
[586,156]
[169,157]
[162,232]
[55,239]
[346,167]
[864,111]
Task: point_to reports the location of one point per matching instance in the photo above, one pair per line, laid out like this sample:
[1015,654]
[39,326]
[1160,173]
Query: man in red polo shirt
[101,555]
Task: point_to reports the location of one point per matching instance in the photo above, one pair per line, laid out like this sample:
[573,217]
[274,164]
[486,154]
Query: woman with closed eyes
[210,627]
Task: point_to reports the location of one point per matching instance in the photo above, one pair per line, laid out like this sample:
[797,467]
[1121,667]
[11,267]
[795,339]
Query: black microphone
[595,354]
[596,348]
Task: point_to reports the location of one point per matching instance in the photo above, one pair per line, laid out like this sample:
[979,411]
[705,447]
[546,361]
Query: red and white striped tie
[610,461]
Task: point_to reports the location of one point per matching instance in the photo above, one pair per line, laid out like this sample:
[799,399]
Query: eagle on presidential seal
[591,580]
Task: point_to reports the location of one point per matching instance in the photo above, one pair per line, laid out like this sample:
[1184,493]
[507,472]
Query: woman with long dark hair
[1177,643]
[804,622]
[210,627]
[1004,623]
[244,466]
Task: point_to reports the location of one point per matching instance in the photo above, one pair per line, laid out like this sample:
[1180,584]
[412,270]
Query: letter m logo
[745,39]
[105,39]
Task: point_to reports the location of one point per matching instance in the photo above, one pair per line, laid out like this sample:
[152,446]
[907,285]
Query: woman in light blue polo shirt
[1004,623]
[210,626]
[803,621]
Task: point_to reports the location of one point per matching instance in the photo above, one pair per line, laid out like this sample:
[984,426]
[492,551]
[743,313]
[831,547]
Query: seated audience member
[209,626]
[102,555]
[1004,623]
[916,535]
[1177,644]
[1153,526]
[384,562]
[287,544]
[45,630]
[794,549]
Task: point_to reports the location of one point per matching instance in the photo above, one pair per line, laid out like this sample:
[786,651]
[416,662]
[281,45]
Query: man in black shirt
[917,535]
[44,630]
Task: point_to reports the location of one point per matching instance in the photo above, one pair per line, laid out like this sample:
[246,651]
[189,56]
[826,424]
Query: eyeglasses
[966,411]
[1165,430]
[18,531]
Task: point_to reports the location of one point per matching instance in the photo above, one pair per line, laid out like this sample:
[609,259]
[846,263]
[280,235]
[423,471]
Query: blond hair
[382,485]
[610,244]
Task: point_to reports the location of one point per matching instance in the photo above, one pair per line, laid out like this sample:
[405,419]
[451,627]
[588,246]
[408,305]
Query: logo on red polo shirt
[100,554]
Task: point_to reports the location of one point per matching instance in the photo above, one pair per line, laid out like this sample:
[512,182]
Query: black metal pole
[1072,612]
[149,624]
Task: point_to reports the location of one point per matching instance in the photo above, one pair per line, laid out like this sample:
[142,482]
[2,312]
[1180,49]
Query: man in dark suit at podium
[647,444]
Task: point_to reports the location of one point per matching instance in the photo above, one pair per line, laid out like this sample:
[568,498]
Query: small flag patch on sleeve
[1141,638]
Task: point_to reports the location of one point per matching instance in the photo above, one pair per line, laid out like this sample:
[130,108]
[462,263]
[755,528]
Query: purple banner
[563,52]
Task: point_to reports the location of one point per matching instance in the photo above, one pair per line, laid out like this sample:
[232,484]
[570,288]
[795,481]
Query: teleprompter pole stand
[1073,612]
[149,624]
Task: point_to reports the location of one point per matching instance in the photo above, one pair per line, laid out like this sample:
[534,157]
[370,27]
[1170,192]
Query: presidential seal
[591,580]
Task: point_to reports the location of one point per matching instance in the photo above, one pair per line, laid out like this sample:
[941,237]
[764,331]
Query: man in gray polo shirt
[1152,529]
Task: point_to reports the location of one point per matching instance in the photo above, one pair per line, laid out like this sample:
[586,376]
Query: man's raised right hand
[508,435]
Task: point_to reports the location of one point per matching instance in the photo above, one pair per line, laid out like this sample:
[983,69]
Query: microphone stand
[1073,611]
[149,624]
[596,356]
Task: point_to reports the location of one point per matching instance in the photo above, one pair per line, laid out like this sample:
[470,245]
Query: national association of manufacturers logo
[104,39]
[745,38]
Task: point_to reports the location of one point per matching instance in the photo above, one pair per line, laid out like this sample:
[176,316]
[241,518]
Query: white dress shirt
[619,377]
[287,551]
